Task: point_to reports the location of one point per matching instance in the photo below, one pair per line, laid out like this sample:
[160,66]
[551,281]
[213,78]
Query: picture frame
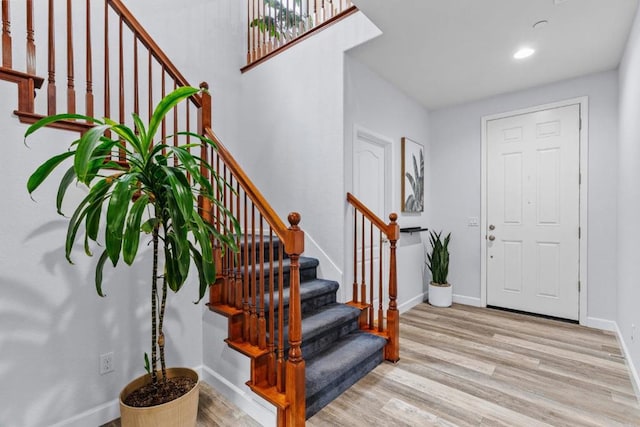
[412,176]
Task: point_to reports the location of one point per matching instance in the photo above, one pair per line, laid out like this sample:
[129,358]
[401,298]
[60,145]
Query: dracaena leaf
[45,169]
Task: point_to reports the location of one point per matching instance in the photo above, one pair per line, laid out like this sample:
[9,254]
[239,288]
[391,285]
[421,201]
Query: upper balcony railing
[274,25]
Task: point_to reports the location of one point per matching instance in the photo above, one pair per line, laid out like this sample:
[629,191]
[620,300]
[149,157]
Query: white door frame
[583,102]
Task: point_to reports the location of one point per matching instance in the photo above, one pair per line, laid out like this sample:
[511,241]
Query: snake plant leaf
[99,268]
[161,110]
[132,231]
[67,179]
[116,214]
[56,118]
[43,171]
[89,142]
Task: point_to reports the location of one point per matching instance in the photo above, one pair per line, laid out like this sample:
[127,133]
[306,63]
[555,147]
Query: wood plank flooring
[465,366]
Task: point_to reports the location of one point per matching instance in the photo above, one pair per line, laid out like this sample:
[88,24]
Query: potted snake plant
[153,193]
[440,292]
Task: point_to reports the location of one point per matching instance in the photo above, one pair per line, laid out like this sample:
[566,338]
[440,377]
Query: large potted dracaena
[154,192]
[440,292]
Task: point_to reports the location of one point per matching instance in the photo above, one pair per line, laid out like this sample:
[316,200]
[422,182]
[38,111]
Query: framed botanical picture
[412,176]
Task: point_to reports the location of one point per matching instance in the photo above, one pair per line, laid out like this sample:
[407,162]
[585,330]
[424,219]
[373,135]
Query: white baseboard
[604,324]
[247,401]
[96,416]
[635,379]
[462,299]
[408,305]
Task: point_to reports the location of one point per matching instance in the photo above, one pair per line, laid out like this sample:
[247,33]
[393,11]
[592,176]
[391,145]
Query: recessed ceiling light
[525,52]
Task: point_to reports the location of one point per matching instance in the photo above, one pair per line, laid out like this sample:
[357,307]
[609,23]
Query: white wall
[292,130]
[455,138]
[53,326]
[374,104]
[629,198]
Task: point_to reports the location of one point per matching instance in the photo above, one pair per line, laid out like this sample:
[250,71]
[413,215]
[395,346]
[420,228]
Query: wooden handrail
[392,231]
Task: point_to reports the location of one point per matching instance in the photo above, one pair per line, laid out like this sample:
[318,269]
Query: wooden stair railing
[135,72]
[365,293]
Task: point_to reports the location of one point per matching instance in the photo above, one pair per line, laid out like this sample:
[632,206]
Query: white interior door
[533,203]
[371,157]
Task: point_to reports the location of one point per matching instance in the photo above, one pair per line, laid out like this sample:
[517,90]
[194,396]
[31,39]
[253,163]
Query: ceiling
[447,52]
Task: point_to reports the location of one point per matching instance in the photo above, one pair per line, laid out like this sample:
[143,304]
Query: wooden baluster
[363,284]
[51,87]
[121,80]
[355,256]
[89,70]
[31,40]
[245,279]
[271,364]
[371,278]
[262,323]
[107,77]
[175,133]
[7,43]
[150,92]
[380,289]
[71,90]
[253,329]
[227,266]
[392,350]
[230,257]
[163,132]
[295,366]
[238,275]
[280,371]
[136,78]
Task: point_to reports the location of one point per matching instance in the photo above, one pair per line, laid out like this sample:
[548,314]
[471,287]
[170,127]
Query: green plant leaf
[85,151]
[67,179]
[181,193]
[197,260]
[116,214]
[43,171]
[163,107]
[97,192]
[56,118]
[132,231]
[99,268]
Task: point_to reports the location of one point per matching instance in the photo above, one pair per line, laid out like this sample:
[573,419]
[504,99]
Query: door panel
[533,166]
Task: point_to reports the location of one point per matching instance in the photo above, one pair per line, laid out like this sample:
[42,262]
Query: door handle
[492,237]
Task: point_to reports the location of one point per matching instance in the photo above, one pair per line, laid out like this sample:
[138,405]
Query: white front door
[371,178]
[533,203]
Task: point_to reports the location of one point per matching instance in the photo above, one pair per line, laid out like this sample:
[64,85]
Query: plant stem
[163,305]
[154,307]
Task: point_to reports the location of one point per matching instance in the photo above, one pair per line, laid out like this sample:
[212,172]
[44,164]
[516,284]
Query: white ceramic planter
[440,295]
[181,412]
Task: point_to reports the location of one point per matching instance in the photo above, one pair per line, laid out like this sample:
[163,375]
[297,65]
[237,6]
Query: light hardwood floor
[465,366]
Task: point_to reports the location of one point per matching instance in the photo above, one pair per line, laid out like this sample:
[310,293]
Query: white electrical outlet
[106,363]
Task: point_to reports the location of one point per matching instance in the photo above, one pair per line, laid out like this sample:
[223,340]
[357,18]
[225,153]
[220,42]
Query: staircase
[337,353]
[305,347]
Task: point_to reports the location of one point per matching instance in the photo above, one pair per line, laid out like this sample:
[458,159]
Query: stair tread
[350,350]
[326,318]
[305,263]
[308,289]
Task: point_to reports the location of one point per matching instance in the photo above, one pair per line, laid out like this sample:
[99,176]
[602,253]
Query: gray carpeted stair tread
[329,373]
[308,268]
[309,290]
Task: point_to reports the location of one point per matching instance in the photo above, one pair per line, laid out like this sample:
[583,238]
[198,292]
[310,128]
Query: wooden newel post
[295,366]
[204,122]
[392,350]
